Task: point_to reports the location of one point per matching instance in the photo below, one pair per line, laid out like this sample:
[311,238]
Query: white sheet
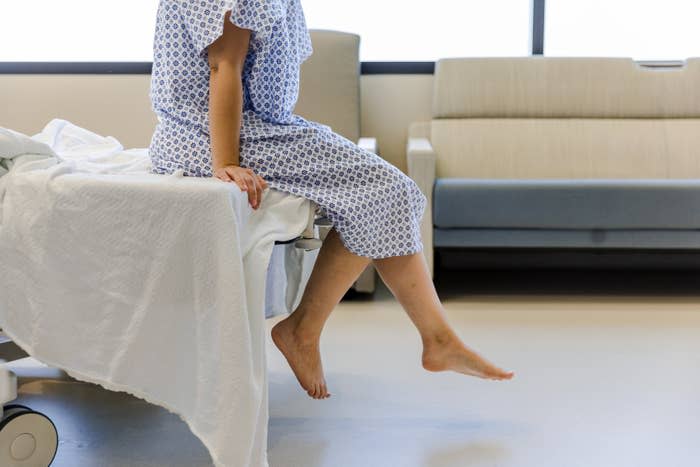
[15,146]
[148,284]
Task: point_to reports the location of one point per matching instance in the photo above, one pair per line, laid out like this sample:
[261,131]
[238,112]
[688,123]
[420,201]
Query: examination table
[156,285]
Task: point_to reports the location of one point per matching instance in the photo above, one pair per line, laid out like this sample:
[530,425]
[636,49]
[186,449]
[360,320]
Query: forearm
[225,114]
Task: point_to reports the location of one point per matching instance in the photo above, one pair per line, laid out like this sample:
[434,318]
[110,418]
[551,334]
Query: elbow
[218,67]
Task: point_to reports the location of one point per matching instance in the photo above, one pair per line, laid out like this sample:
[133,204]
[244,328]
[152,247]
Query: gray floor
[607,374]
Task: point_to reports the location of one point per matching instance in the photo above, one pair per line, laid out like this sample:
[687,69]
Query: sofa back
[541,117]
[329,91]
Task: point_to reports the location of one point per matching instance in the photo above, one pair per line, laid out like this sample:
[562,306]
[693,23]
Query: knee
[389,186]
[408,189]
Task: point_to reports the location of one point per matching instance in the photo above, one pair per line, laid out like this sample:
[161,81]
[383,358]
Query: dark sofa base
[557,258]
[662,239]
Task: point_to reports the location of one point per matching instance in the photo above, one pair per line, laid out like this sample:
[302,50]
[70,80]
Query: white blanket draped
[149,284]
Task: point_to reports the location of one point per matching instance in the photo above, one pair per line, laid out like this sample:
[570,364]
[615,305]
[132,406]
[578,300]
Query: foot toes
[311,391]
[505,374]
[497,373]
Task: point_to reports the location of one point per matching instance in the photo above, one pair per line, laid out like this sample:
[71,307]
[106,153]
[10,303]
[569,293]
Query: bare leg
[409,280]
[407,277]
[298,335]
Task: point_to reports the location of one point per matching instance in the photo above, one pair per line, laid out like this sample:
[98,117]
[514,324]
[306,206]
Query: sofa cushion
[566,148]
[567,204]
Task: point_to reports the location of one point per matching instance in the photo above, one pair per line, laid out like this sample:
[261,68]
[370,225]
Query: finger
[250,188]
[253,192]
[263,182]
[231,172]
[240,182]
[260,189]
[223,176]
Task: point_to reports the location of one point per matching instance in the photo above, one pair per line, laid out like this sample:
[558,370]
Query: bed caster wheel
[13,407]
[27,438]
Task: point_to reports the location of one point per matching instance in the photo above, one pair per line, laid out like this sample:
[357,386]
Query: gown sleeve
[204,19]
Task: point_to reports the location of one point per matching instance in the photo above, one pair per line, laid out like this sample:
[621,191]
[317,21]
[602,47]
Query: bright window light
[641,29]
[77,30]
[391,30]
[416,30]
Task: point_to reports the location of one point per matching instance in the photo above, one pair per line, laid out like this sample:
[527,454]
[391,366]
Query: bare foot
[303,356]
[448,353]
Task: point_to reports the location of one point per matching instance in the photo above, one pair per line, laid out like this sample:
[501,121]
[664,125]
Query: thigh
[313,156]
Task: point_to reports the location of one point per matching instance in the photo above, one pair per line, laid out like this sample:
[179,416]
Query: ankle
[438,339]
[303,329]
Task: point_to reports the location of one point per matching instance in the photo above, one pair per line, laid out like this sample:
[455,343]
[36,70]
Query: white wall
[118,105]
[111,105]
[390,103]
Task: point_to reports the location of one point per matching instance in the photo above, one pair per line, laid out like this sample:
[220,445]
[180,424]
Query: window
[641,29]
[77,30]
[391,30]
[416,30]
[94,31]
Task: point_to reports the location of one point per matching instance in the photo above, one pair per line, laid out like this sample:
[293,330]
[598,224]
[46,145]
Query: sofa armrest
[369,144]
[421,164]
[421,168]
[366,282]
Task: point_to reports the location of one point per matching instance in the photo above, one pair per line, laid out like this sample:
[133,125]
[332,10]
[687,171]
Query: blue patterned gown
[374,206]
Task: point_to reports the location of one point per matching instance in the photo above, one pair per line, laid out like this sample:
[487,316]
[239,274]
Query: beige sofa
[560,153]
[329,93]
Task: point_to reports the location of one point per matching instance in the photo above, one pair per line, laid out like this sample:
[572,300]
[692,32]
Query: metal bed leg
[312,238]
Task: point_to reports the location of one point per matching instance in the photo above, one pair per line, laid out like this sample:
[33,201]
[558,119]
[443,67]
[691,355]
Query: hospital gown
[375,208]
